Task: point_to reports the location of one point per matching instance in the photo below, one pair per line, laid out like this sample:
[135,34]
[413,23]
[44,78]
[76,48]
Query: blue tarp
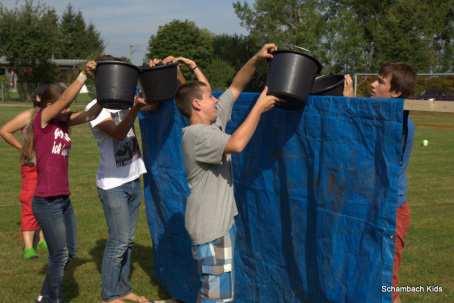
[316,192]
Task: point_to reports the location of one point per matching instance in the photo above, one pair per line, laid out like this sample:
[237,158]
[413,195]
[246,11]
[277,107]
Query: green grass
[427,258]
[20,281]
[429,250]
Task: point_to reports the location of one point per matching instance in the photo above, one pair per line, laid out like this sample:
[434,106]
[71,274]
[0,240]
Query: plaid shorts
[215,264]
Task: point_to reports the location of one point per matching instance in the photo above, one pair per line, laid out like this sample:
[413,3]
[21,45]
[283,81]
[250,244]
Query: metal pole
[132,50]
[355,83]
[3,91]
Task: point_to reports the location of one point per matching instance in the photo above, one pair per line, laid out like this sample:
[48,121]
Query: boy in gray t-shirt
[210,207]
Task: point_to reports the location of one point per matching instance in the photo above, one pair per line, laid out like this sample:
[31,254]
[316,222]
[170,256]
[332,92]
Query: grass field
[20,281]
[428,257]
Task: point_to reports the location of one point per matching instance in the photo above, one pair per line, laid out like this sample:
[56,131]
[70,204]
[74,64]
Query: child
[51,203]
[119,189]
[210,208]
[396,80]
[29,224]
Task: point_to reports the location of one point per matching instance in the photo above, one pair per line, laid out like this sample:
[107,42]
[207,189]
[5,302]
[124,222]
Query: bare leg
[41,236]
[28,235]
[135,298]
[114,301]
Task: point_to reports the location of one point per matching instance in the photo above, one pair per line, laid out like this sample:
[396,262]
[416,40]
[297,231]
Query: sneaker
[41,299]
[42,245]
[30,253]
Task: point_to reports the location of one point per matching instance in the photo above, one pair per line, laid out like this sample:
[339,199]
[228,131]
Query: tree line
[347,36]
[33,33]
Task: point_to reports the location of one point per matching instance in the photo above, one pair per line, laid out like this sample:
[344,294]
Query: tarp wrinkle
[316,192]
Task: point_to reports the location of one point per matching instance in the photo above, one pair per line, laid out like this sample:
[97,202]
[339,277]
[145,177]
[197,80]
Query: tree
[28,34]
[405,31]
[220,74]
[443,41]
[236,50]
[28,37]
[95,44]
[285,22]
[344,42]
[77,40]
[357,35]
[31,34]
[182,38]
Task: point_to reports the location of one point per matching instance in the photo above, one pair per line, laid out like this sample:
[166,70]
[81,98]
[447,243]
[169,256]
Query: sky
[126,25]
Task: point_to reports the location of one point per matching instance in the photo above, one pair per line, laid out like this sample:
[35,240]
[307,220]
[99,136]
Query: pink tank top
[52,145]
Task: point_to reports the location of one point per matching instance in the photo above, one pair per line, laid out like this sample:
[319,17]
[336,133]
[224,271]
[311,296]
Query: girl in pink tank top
[51,204]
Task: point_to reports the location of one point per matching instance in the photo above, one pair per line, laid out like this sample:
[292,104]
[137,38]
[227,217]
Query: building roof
[58,62]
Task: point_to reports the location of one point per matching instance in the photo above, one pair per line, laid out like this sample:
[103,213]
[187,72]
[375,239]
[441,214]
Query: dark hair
[37,95]
[47,93]
[186,93]
[51,94]
[27,152]
[403,77]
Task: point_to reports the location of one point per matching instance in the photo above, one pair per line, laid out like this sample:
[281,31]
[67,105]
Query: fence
[23,91]
[430,86]
[439,86]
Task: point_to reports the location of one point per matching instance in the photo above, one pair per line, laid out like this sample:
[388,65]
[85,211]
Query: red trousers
[402,226]
[28,185]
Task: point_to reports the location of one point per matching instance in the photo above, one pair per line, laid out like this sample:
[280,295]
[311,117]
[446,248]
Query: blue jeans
[121,209]
[58,222]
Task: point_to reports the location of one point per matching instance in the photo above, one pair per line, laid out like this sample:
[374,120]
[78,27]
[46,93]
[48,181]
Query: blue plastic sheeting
[316,192]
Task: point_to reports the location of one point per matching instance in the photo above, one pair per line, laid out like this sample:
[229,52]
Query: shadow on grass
[70,285]
[141,255]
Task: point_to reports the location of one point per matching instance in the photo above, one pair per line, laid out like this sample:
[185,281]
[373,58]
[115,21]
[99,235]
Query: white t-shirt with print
[120,161]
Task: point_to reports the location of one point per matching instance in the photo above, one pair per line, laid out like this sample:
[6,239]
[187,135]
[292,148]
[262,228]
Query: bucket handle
[298,47]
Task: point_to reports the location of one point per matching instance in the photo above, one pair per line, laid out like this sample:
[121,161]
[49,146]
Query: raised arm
[244,75]
[17,123]
[199,75]
[85,116]
[348,86]
[119,131]
[180,77]
[241,137]
[52,110]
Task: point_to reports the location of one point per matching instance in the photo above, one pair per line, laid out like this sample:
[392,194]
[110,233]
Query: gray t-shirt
[210,207]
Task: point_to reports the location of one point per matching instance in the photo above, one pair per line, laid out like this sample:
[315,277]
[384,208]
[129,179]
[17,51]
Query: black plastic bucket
[116,83]
[159,83]
[328,85]
[290,77]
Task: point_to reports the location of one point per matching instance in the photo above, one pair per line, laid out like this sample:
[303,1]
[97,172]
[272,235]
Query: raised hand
[168,59]
[348,86]
[266,52]
[266,102]
[153,62]
[188,62]
[90,67]
[139,102]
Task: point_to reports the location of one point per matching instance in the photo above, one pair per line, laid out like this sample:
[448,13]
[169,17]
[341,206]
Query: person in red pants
[29,226]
